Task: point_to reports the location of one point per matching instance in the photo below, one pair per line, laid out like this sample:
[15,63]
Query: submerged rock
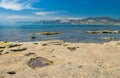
[48,33]
[39,62]
[107,38]
[33,36]
[103,32]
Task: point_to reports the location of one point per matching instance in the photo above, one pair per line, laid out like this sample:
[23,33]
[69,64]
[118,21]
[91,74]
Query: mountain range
[90,20]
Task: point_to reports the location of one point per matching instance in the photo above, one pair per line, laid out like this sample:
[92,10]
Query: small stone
[80,66]
[53,56]
[44,44]
[35,43]
[11,72]
[29,54]
[72,48]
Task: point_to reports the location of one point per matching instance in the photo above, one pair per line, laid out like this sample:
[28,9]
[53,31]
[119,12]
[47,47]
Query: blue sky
[15,10]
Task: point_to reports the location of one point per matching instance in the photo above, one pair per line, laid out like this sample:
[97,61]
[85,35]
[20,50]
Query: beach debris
[72,48]
[103,32]
[11,72]
[107,38]
[39,62]
[48,33]
[29,54]
[18,49]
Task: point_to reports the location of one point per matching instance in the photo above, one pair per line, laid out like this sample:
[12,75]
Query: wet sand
[58,59]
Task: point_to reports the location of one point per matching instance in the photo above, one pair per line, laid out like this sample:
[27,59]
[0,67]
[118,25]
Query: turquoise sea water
[70,33]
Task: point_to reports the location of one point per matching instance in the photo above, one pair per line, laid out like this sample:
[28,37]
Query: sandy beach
[59,59]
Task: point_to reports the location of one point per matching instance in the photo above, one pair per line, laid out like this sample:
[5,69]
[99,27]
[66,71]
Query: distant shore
[59,59]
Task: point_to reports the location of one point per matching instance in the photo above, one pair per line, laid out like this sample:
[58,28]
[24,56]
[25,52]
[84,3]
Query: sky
[17,10]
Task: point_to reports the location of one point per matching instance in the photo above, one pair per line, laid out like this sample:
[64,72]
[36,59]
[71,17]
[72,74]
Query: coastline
[64,59]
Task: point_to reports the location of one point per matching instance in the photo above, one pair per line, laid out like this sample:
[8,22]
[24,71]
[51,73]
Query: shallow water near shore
[69,33]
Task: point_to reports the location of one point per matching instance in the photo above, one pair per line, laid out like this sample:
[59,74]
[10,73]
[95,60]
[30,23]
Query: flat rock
[39,62]
[15,49]
[15,45]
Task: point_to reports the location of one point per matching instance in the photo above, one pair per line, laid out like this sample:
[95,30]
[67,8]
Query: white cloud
[16,4]
[46,13]
[43,13]
[75,18]
[17,17]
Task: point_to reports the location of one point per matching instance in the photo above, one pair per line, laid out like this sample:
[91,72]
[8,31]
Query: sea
[69,33]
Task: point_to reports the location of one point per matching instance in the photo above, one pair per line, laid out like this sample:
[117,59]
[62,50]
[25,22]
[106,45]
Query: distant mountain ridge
[90,20]
[100,20]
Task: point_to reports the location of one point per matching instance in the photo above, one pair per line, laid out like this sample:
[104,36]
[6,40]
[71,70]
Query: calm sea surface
[70,33]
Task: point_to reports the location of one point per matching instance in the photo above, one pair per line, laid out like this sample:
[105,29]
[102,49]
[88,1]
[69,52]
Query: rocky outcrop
[6,47]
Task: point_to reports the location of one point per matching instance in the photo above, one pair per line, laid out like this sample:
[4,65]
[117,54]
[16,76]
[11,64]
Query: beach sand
[59,59]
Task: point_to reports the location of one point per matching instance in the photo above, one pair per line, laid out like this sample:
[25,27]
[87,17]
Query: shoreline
[59,59]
